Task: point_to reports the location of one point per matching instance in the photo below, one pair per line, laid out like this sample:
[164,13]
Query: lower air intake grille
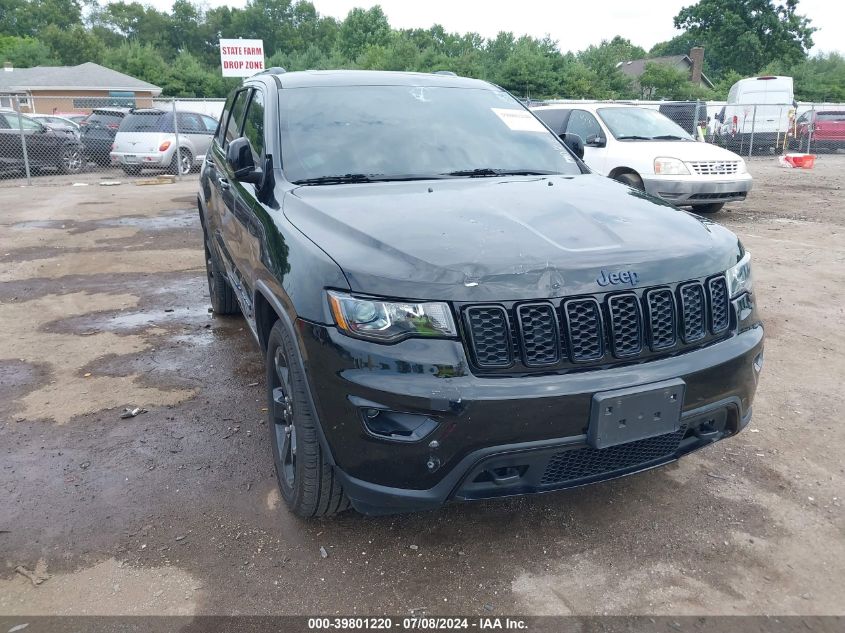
[580,463]
[490,337]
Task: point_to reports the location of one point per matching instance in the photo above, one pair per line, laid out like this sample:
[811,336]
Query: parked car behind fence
[46,147]
[148,139]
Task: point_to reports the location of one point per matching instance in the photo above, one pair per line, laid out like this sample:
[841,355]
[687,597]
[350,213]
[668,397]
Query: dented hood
[480,239]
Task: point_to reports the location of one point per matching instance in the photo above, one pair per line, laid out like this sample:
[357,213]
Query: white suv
[646,150]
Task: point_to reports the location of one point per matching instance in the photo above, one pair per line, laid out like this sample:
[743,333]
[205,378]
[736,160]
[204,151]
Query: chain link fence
[62,137]
[56,138]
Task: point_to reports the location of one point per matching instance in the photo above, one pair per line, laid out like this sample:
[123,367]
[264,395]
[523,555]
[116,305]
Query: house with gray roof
[691,64]
[66,89]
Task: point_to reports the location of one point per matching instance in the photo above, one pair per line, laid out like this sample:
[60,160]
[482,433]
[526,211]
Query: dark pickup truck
[451,306]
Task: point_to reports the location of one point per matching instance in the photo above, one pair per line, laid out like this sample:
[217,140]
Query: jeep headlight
[390,321]
[739,276]
[670,167]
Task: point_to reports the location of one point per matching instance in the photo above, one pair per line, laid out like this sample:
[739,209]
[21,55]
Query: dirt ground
[103,305]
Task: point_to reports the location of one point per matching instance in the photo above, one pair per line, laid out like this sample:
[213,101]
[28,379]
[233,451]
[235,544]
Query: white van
[761,105]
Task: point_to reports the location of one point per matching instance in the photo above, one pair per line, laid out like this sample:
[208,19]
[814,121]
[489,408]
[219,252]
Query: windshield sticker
[519,120]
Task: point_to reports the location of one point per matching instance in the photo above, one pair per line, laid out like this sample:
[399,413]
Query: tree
[362,29]
[528,70]
[603,60]
[73,46]
[23,52]
[744,35]
[817,78]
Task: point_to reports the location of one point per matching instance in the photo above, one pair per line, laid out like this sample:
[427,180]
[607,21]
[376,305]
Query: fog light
[395,426]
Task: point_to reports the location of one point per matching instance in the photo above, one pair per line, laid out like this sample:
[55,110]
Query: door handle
[224,184]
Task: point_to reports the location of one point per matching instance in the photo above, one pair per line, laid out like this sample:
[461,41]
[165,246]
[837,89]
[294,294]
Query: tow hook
[706,431]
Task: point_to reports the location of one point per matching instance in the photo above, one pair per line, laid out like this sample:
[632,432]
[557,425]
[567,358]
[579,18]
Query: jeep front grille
[598,329]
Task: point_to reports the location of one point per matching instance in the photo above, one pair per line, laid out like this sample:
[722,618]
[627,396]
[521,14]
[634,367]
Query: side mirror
[594,140]
[239,159]
[575,143]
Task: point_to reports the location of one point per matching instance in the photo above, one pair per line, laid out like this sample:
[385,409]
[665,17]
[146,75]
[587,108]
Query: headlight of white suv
[741,167]
[670,167]
[739,276]
[390,321]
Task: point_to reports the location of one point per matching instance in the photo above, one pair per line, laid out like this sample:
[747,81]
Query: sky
[573,23]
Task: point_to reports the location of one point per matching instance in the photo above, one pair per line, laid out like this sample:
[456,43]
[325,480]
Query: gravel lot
[103,305]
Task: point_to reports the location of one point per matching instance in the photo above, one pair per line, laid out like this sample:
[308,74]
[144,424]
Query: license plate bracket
[635,413]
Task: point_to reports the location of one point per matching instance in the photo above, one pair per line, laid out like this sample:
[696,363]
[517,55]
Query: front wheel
[713,207]
[306,479]
[631,179]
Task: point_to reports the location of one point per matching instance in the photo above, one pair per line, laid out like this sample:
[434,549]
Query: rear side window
[210,124]
[234,126]
[220,130]
[12,121]
[144,122]
[554,118]
[253,128]
[584,125]
[190,123]
[830,116]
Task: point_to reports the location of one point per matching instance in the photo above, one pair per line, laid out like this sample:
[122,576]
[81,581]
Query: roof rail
[274,70]
[444,72]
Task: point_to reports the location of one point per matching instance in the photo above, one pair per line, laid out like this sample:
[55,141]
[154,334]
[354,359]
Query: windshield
[641,124]
[413,132]
[147,122]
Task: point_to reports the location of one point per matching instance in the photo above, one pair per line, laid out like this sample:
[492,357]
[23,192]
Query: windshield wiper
[337,179]
[484,172]
[633,137]
[670,137]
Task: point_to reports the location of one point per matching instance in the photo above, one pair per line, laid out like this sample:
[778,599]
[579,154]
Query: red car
[827,128]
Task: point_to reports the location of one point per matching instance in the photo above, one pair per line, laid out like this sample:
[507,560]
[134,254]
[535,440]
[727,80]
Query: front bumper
[500,436]
[692,190]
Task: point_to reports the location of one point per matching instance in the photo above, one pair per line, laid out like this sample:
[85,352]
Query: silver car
[146,139]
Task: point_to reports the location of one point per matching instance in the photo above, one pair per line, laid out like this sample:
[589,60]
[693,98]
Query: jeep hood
[483,239]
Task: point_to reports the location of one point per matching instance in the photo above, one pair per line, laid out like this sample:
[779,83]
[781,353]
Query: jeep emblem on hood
[625,277]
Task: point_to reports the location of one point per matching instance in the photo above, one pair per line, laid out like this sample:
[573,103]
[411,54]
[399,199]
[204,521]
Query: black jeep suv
[451,306]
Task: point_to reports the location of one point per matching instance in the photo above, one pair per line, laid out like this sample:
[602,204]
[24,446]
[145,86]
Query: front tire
[631,179]
[306,479]
[713,207]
